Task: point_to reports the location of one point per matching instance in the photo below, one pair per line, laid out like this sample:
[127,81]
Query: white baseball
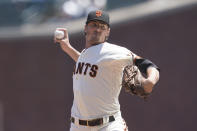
[59,34]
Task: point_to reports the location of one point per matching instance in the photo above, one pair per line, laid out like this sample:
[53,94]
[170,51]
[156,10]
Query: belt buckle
[95,122]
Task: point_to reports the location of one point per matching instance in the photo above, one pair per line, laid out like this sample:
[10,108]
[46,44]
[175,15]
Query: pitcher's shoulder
[115,47]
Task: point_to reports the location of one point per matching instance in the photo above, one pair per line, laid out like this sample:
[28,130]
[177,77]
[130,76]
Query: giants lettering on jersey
[82,69]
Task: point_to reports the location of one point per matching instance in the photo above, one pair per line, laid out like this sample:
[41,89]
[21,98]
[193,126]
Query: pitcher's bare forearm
[71,51]
[151,71]
[153,75]
[151,80]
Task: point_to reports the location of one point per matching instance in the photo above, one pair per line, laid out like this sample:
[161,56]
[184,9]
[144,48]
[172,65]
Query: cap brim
[97,20]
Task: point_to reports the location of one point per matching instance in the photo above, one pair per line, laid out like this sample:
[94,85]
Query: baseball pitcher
[101,70]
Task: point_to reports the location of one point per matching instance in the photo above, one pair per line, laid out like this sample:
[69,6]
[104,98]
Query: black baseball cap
[98,15]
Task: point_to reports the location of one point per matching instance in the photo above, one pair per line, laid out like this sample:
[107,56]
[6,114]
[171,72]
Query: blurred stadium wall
[36,76]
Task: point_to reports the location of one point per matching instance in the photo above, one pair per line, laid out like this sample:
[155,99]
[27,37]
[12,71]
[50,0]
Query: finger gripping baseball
[132,81]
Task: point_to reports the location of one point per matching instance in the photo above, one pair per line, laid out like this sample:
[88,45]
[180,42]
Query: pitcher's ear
[108,32]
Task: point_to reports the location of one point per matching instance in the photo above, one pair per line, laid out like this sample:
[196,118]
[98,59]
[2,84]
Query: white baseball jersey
[97,80]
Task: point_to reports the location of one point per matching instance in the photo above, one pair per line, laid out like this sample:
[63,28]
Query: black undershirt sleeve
[143,65]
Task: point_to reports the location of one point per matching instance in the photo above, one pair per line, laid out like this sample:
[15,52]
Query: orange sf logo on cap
[98,13]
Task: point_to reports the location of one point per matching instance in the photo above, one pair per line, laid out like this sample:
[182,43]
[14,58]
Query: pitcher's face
[96,32]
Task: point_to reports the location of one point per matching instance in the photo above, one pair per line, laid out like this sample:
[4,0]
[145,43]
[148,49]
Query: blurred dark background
[19,12]
[36,76]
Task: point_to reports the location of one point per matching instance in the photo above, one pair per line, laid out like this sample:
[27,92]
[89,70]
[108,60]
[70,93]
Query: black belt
[94,122]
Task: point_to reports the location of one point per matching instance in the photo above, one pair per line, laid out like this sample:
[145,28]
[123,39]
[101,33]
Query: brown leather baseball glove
[132,81]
